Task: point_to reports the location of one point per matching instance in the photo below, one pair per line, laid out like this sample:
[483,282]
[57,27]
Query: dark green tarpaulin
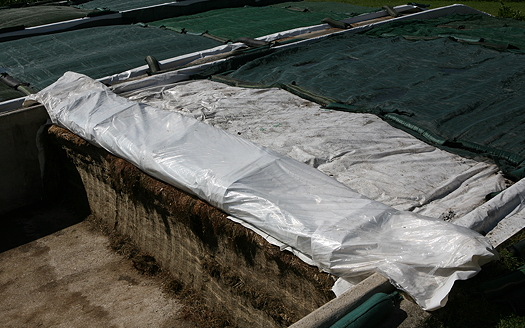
[494,32]
[123,5]
[39,15]
[459,95]
[233,23]
[120,5]
[96,52]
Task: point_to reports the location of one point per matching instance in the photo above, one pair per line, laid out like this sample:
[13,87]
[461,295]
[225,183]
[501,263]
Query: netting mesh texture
[500,33]
[96,52]
[233,23]
[39,15]
[120,5]
[450,93]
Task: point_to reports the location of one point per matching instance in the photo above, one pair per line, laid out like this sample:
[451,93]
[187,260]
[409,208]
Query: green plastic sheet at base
[371,313]
[38,15]
[96,52]
[233,23]
[466,96]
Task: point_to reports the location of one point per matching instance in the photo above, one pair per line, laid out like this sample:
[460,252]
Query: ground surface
[71,278]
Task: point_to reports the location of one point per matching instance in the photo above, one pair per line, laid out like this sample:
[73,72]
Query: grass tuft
[507,12]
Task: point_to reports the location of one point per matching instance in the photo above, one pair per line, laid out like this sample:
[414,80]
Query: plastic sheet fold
[341,231]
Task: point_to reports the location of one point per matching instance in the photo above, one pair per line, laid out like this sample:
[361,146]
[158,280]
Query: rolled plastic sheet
[499,218]
[343,232]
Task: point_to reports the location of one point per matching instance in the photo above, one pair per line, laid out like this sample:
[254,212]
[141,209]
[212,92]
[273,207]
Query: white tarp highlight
[343,232]
[359,150]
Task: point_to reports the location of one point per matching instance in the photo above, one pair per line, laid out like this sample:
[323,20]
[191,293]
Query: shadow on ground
[26,224]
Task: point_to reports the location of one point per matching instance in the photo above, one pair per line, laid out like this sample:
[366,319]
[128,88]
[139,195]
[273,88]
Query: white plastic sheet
[359,150]
[343,232]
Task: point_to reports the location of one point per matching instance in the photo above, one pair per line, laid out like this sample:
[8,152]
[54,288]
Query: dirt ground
[71,278]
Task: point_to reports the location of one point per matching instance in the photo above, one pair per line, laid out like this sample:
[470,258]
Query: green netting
[96,52]
[326,7]
[450,93]
[491,31]
[38,15]
[120,5]
[232,23]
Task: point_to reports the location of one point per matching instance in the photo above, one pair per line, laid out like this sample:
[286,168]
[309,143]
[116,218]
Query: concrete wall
[20,181]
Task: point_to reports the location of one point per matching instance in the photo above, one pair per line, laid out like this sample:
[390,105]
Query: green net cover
[96,52]
[39,15]
[464,96]
[232,23]
[120,5]
[487,30]
[326,7]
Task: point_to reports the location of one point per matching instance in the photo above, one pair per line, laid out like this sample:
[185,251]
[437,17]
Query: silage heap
[433,85]
[336,228]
